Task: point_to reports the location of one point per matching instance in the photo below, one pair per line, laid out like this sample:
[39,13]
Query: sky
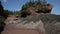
[15,5]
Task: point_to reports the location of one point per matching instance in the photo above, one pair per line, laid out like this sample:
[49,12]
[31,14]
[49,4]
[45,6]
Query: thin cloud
[5,0]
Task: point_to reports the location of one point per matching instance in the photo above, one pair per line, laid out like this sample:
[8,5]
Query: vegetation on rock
[36,7]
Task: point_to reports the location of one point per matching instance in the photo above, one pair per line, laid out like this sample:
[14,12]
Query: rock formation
[39,24]
[34,22]
[28,23]
[37,7]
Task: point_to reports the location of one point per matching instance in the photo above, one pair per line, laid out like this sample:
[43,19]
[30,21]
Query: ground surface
[51,22]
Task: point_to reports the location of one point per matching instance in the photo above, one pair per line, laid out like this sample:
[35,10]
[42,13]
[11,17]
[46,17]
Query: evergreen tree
[4,13]
[1,9]
[44,2]
[2,24]
[38,2]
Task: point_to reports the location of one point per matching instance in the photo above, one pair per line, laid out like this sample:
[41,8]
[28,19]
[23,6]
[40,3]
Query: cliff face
[50,23]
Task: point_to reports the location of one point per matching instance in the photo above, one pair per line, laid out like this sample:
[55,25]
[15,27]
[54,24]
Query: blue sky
[15,5]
